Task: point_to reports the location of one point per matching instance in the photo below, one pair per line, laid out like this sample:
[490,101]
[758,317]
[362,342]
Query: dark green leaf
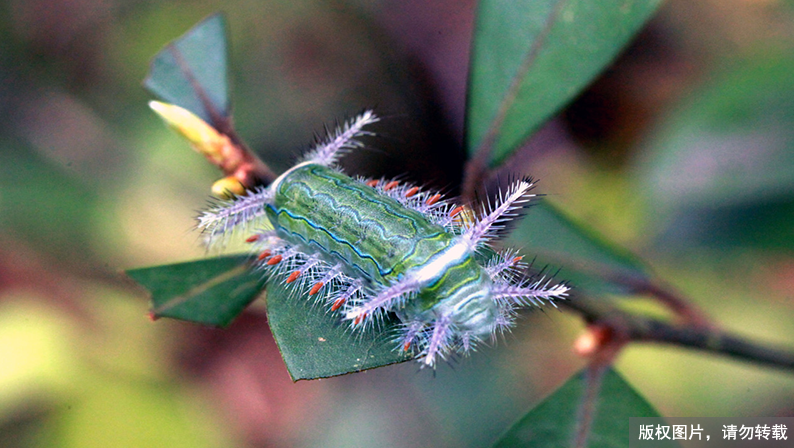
[212,291]
[316,343]
[589,262]
[530,57]
[192,72]
[555,421]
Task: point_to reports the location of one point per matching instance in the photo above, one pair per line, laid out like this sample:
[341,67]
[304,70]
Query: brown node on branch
[601,343]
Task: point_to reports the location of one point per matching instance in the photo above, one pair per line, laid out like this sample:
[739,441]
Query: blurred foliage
[720,169]
[92,183]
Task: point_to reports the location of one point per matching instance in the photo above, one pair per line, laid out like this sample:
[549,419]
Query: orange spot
[252,238]
[433,199]
[456,211]
[337,304]
[411,192]
[274,260]
[391,185]
[294,276]
[264,255]
[358,318]
[517,259]
[406,346]
[316,288]
[152,317]
[373,183]
[593,340]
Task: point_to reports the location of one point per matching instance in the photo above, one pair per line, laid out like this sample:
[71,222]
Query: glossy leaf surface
[212,291]
[316,343]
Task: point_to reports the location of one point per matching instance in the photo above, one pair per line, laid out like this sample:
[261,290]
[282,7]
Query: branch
[707,338]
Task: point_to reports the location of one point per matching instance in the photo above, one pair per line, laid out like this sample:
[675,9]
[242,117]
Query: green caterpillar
[372,247]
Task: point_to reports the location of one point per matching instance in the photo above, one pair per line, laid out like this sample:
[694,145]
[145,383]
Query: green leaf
[212,291]
[590,263]
[555,421]
[530,57]
[192,72]
[316,343]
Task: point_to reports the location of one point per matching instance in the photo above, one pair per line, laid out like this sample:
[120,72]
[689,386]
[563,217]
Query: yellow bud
[205,138]
[227,187]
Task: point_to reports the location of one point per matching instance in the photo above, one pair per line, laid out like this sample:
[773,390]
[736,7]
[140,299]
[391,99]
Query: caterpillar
[368,248]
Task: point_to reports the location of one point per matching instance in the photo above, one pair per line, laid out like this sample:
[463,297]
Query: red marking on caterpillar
[294,276]
[373,183]
[433,199]
[456,211]
[316,288]
[411,192]
[337,304]
[252,239]
[359,318]
[391,185]
[275,260]
[264,254]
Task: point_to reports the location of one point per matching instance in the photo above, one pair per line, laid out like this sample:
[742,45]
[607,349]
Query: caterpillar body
[372,247]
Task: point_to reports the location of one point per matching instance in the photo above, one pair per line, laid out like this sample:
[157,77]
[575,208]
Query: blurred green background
[683,152]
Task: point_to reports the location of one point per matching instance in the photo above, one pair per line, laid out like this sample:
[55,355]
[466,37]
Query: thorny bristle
[411,334]
[223,217]
[439,342]
[386,299]
[532,293]
[343,139]
[505,265]
[505,209]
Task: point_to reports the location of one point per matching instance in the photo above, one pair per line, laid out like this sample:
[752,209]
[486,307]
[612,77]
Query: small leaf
[555,421]
[590,263]
[212,291]
[316,343]
[530,57]
[192,72]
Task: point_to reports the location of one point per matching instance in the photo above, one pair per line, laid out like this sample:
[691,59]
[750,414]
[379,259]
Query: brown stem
[669,297]
[708,338]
